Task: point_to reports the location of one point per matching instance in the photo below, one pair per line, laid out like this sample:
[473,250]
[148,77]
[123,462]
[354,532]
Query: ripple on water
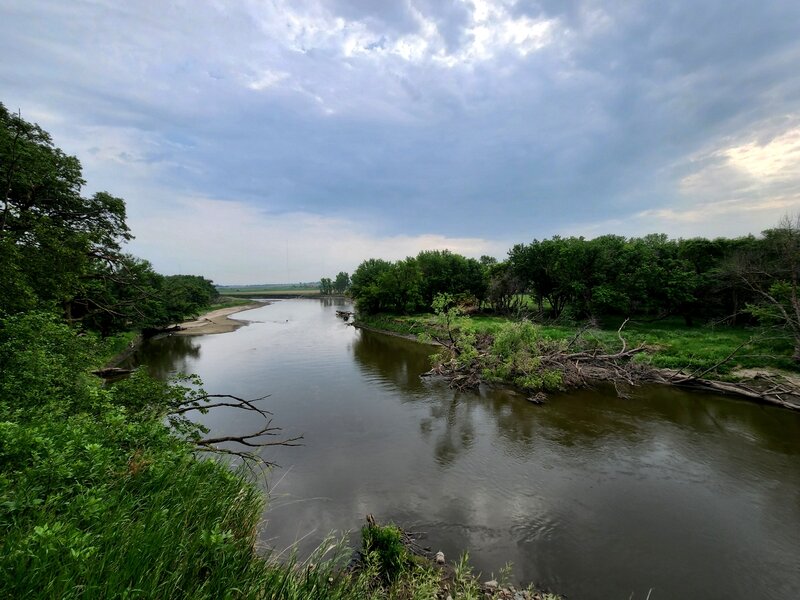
[594,496]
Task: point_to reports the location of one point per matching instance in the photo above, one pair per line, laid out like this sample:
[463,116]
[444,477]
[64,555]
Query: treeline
[746,279]
[410,285]
[612,275]
[339,285]
[62,251]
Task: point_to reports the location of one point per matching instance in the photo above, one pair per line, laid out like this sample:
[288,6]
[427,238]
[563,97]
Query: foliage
[774,275]
[515,356]
[326,286]
[383,546]
[672,344]
[61,250]
[50,235]
[42,359]
[341,283]
[650,276]
[365,285]
[410,285]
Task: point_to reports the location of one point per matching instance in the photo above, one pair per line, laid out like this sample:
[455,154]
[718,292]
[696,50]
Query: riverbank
[733,361]
[106,493]
[216,321]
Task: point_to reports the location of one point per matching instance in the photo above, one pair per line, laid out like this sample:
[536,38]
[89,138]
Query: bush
[515,356]
[383,547]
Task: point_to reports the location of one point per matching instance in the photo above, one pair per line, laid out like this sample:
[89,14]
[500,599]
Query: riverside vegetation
[112,491]
[719,314]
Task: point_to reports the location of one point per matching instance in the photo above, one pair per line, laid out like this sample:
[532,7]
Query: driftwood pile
[581,368]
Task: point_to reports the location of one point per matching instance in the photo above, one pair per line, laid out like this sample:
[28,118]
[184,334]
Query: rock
[440,558]
[491,585]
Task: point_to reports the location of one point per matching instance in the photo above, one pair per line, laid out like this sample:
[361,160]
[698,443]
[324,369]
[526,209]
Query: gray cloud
[486,119]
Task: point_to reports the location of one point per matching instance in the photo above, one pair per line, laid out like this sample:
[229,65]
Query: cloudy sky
[273,140]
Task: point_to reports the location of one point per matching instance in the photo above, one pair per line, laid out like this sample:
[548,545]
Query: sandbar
[217,321]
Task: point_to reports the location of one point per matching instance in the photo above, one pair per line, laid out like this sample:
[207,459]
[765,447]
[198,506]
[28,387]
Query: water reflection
[166,356]
[596,496]
[337,301]
[393,360]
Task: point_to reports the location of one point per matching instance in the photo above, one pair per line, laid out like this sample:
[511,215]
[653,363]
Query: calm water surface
[596,497]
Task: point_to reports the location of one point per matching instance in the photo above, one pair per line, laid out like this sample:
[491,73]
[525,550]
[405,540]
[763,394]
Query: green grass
[228,290]
[227,302]
[670,343]
[304,292]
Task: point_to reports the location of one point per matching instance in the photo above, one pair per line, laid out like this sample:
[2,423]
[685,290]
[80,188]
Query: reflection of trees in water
[335,301]
[167,355]
[392,359]
[773,428]
[455,434]
[588,419]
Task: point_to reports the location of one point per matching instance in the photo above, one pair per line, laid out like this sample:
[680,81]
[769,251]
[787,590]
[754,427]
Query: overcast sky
[270,140]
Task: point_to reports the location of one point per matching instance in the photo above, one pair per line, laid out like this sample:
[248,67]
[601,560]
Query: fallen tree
[518,355]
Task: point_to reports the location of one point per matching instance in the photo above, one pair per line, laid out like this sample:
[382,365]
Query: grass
[227,302]
[671,344]
[305,292]
[267,290]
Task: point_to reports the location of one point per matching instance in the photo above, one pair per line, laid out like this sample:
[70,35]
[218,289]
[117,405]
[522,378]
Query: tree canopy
[62,251]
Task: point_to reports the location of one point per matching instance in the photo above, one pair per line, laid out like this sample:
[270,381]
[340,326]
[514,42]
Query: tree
[773,275]
[51,237]
[325,286]
[445,272]
[400,287]
[341,283]
[540,269]
[505,288]
[365,287]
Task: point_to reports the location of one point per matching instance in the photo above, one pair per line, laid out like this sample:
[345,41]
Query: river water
[669,493]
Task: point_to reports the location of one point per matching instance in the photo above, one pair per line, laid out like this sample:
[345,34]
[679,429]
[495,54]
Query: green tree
[50,236]
[505,288]
[341,283]
[325,286]
[445,272]
[400,287]
[773,275]
[365,287]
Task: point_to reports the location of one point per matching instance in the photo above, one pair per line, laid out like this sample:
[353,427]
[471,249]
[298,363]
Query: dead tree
[246,446]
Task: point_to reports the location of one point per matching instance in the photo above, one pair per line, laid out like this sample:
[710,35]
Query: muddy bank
[405,336]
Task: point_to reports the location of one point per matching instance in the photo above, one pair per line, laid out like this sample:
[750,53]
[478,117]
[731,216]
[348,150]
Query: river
[593,496]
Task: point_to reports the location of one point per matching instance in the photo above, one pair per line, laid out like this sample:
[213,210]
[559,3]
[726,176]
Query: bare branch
[249,439]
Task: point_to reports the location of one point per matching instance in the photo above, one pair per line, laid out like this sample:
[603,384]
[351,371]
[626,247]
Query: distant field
[265,292]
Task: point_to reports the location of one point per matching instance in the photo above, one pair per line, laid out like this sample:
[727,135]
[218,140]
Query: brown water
[692,496]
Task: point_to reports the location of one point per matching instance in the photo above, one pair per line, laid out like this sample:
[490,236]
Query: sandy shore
[217,321]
